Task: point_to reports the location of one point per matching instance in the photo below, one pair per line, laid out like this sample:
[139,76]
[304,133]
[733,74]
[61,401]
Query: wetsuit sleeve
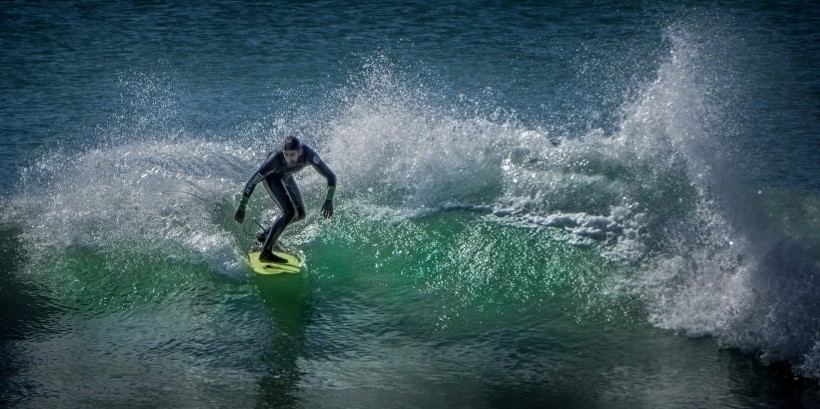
[322,168]
[325,171]
[264,170]
[248,190]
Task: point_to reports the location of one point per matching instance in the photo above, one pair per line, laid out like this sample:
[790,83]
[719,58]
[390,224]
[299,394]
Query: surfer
[276,174]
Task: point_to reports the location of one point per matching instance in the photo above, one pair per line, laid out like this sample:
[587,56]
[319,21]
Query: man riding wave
[276,174]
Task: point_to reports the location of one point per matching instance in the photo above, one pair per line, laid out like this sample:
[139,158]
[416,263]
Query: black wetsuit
[277,177]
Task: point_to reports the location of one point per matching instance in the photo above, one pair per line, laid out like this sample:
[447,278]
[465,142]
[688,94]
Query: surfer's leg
[276,188]
[296,197]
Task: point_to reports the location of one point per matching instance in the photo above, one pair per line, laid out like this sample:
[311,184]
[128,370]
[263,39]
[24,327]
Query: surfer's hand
[327,209]
[240,215]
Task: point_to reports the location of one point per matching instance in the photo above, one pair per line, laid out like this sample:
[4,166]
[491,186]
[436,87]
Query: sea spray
[152,197]
[714,270]
[655,197]
[601,218]
[398,145]
[563,252]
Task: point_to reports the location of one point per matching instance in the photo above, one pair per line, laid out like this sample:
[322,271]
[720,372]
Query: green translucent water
[561,205]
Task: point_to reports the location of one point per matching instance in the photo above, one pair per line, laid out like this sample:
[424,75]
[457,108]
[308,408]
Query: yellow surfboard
[294,264]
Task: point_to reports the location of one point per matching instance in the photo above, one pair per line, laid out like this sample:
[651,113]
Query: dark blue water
[577,204]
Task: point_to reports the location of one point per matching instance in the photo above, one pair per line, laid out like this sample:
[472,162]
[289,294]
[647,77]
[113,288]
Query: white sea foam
[167,198]
[652,196]
[714,270]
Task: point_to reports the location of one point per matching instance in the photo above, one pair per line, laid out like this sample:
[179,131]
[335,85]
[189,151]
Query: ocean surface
[572,204]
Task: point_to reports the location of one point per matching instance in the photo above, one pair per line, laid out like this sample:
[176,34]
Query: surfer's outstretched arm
[257,177]
[324,170]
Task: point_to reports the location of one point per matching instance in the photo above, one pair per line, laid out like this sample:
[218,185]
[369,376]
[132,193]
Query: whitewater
[624,255]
